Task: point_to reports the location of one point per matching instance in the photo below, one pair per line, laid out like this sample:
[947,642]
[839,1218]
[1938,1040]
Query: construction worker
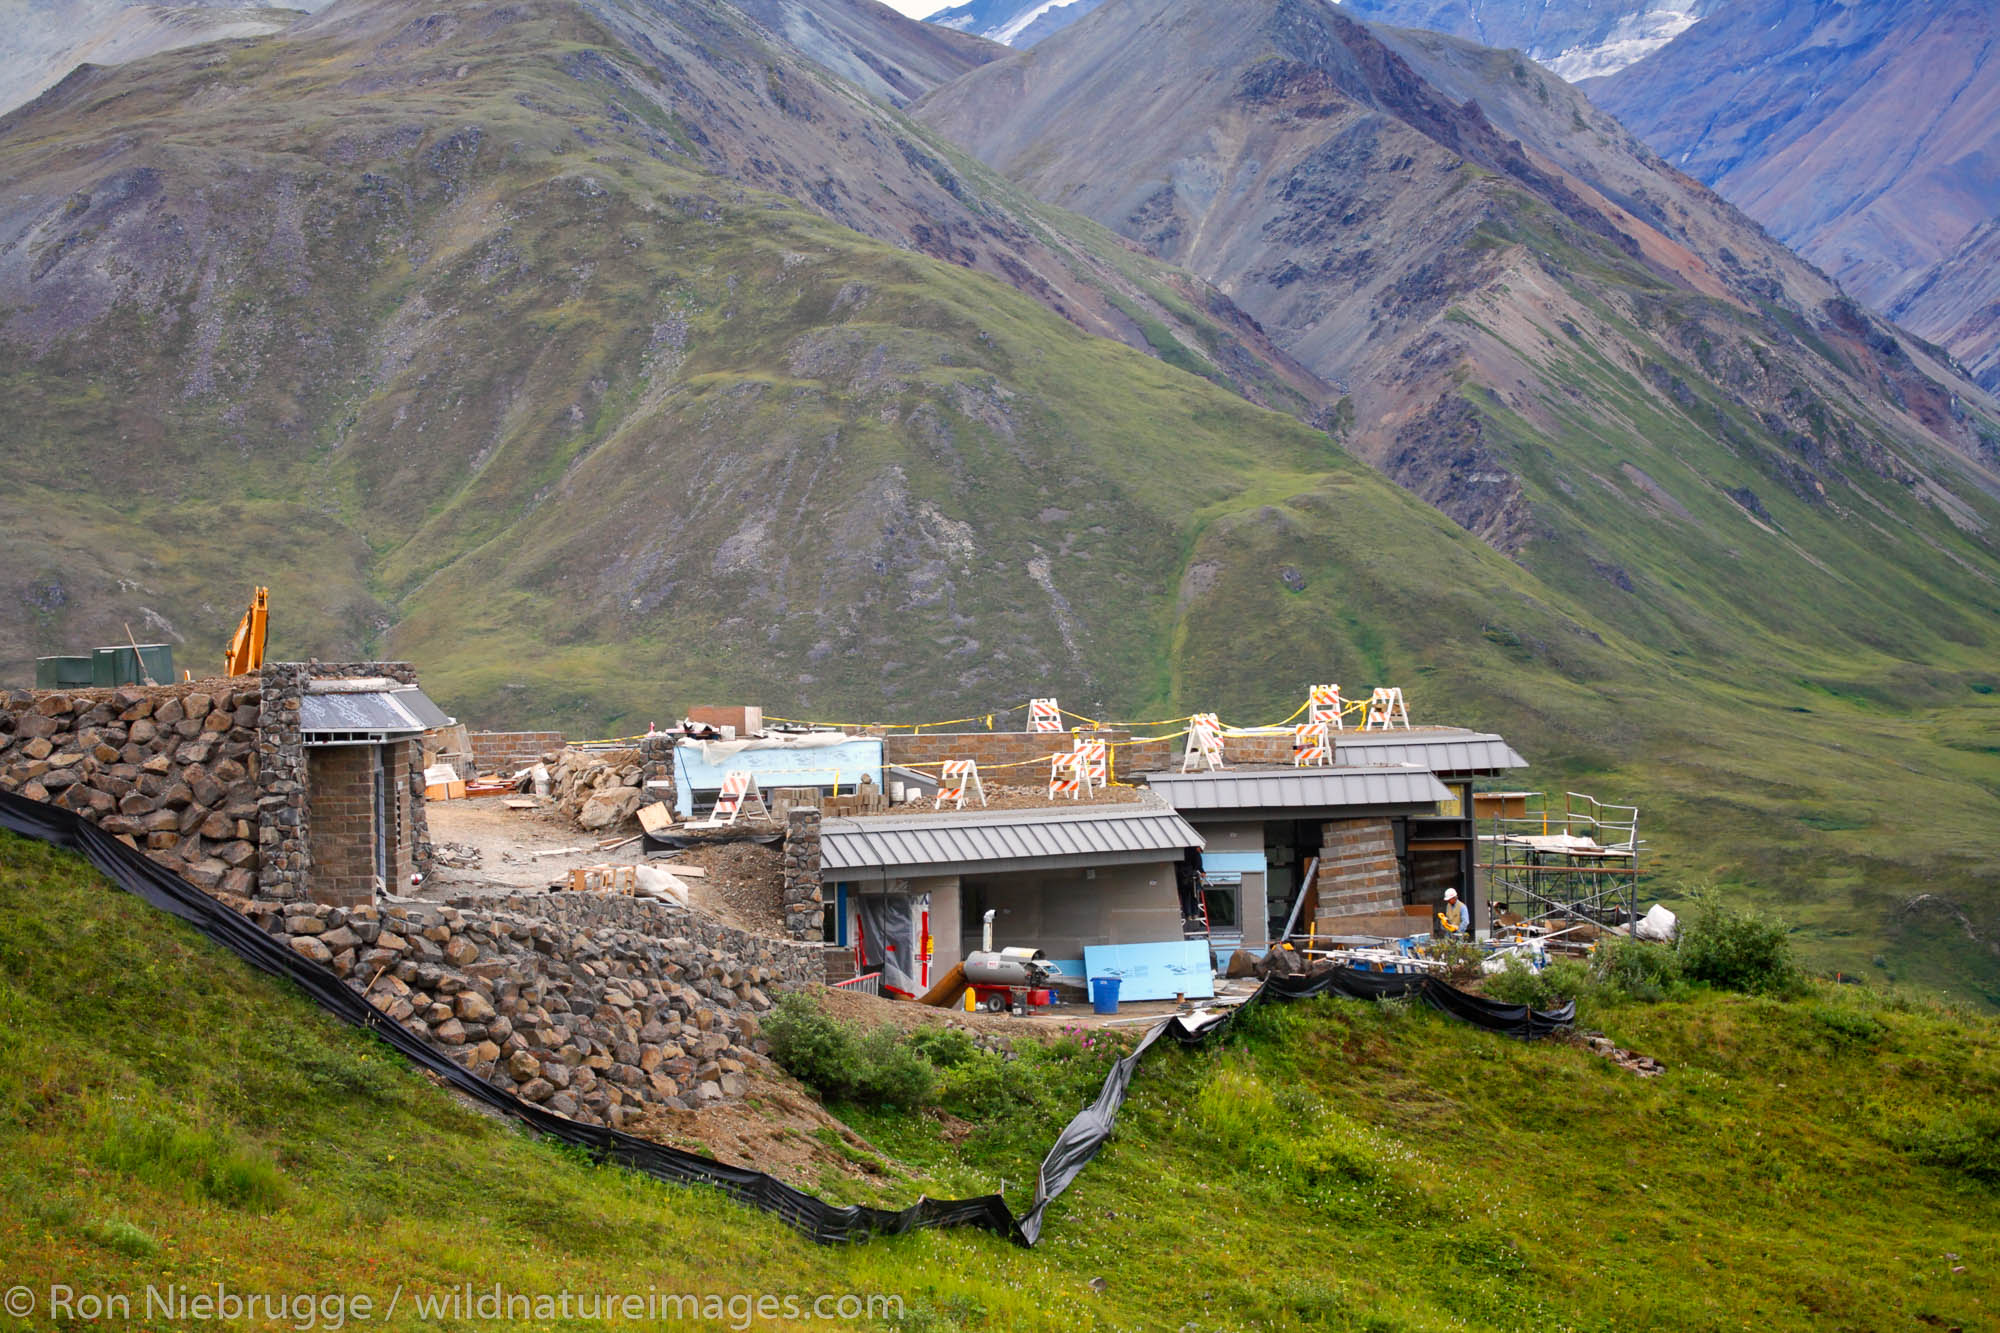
[1454,919]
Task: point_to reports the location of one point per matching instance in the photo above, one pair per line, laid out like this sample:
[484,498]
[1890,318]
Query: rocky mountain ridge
[1861,134]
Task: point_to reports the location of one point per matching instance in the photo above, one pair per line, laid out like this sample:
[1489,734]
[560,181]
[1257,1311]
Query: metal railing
[867,984]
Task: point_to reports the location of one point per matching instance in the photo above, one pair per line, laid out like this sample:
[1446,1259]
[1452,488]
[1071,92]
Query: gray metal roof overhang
[1301,793]
[367,717]
[1001,842]
[1449,754]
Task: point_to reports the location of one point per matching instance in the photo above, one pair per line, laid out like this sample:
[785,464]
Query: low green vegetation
[168,1115]
[1720,945]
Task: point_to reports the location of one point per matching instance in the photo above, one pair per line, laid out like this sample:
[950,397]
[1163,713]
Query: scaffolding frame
[1556,868]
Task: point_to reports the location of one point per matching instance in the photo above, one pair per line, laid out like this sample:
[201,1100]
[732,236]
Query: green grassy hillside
[166,1115]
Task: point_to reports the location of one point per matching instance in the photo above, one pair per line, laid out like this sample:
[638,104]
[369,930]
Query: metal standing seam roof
[361,715]
[1299,788]
[1452,752]
[968,841]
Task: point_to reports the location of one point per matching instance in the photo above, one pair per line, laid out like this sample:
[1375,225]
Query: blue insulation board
[1154,971]
[820,766]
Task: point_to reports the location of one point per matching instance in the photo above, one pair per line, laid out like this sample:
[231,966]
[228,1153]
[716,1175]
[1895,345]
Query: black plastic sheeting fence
[823,1222]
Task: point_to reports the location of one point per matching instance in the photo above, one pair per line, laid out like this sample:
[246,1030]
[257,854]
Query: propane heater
[1008,978]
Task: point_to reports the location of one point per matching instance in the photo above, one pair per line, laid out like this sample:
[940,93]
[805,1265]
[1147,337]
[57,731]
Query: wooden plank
[655,817]
[685,871]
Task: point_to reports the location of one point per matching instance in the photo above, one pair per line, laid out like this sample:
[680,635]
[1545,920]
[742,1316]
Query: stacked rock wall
[172,770]
[603,1009]
[801,903]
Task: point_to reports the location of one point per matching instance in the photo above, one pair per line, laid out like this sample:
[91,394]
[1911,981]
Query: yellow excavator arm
[246,647]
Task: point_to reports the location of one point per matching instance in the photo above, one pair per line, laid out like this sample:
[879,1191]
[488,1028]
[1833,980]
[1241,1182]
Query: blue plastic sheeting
[1154,971]
[817,766]
[1238,863]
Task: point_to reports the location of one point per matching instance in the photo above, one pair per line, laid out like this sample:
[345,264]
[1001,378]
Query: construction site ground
[487,848]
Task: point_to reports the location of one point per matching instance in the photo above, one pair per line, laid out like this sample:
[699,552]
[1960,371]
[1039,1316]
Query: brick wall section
[503,753]
[1431,873]
[340,780]
[1358,872]
[995,748]
[171,770]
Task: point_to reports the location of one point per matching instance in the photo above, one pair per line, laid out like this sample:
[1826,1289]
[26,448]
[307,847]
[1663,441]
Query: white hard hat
[1451,895]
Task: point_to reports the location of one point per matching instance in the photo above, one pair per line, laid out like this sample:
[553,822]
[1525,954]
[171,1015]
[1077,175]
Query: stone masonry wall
[804,913]
[171,770]
[603,1009]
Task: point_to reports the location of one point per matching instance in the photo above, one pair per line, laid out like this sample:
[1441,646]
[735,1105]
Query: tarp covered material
[824,1222]
[717,754]
[775,764]
[891,943]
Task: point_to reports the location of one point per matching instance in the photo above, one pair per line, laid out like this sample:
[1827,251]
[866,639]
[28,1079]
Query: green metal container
[122,664]
[62,673]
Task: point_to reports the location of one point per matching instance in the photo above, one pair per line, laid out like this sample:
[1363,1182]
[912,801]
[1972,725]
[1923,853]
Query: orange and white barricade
[1324,705]
[954,778]
[1204,742]
[1069,775]
[1385,706]
[738,791]
[1044,715]
[1311,746]
[1096,761]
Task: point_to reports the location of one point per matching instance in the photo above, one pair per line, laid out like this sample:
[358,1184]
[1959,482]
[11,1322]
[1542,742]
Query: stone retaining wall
[171,770]
[603,1008]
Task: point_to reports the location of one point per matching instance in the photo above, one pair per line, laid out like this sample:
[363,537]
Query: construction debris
[598,789]
[1645,1066]
[456,855]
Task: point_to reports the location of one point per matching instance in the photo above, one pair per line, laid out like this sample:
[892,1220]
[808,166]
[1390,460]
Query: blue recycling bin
[1104,995]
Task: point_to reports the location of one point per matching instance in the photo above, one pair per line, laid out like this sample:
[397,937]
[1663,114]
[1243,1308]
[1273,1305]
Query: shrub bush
[877,1067]
[1460,956]
[1636,969]
[1518,983]
[1736,948]
[1965,1141]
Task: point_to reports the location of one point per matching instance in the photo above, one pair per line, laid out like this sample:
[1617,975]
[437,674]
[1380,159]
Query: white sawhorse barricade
[1204,742]
[1324,706]
[954,778]
[1069,775]
[1096,761]
[1311,746]
[1044,715]
[1385,706]
[739,793]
